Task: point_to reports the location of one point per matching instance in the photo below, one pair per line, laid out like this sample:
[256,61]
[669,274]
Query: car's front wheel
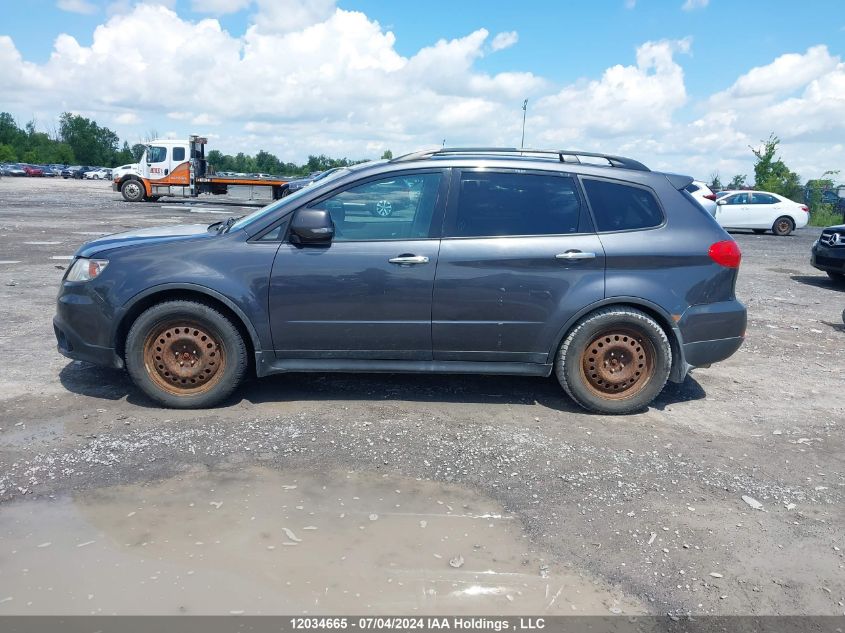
[783,226]
[840,277]
[132,191]
[615,361]
[185,354]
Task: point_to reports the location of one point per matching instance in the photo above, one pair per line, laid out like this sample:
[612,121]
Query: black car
[76,171]
[829,252]
[300,183]
[488,260]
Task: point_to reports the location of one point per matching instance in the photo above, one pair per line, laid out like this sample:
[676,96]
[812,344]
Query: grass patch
[825,215]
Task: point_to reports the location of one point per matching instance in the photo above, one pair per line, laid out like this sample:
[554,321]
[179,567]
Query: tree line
[79,140]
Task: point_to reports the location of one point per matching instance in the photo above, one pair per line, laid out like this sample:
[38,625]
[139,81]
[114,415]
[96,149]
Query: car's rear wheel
[383,208]
[783,226]
[132,191]
[185,355]
[615,360]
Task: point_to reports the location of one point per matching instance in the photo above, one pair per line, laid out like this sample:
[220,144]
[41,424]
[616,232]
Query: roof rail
[563,155]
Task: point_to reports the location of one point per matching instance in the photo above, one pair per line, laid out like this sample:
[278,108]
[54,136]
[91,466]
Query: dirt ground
[490,494]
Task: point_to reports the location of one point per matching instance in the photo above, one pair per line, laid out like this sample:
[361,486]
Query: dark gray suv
[493,261]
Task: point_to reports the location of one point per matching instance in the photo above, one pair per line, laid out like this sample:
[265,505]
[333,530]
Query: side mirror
[312,226]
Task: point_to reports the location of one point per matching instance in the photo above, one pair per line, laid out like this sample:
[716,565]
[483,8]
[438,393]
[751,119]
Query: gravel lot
[647,508]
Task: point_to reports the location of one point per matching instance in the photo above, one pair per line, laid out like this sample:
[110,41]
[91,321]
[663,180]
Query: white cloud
[77,6]
[504,40]
[692,5]
[309,77]
[630,4]
[624,100]
[785,74]
[128,118]
[219,7]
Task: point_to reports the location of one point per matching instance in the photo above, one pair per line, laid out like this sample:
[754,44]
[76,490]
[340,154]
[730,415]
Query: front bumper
[83,326]
[828,259]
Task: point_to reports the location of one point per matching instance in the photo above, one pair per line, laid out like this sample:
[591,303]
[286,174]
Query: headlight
[86,269]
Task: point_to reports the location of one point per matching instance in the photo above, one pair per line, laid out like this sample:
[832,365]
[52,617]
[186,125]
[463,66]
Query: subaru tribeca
[492,261]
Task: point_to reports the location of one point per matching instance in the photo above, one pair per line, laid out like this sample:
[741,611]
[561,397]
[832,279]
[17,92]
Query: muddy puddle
[266,542]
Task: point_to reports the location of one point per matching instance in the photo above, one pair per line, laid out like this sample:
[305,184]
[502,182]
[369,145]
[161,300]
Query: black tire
[759,231]
[133,191]
[783,226]
[609,336]
[838,277]
[190,331]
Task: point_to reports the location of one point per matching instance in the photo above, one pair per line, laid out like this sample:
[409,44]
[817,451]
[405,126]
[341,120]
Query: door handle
[409,260]
[572,255]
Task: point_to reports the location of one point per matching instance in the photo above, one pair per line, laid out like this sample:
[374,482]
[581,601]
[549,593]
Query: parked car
[503,263]
[761,211]
[52,171]
[296,184]
[32,170]
[703,195]
[14,169]
[98,174]
[77,171]
[828,252]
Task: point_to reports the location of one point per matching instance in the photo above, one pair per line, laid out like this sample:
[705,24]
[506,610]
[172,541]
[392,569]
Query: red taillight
[726,253]
[805,208]
[710,196]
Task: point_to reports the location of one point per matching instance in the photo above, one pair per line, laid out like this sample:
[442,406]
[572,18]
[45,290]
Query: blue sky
[562,55]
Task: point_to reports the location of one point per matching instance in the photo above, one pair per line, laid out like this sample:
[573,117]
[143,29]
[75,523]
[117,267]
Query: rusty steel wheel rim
[783,226]
[184,358]
[618,363]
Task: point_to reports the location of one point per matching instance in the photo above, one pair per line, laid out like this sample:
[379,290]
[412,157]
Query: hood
[836,227]
[154,235]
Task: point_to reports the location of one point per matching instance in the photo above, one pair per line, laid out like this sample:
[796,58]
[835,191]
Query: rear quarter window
[620,207]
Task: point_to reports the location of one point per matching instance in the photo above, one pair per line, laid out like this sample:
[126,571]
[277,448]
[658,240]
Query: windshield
[277,204]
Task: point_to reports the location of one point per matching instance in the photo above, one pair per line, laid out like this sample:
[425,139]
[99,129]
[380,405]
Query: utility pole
[524,112]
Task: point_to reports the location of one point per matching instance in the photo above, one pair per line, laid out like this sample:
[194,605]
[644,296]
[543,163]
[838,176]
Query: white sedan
[97,174]
[761,211]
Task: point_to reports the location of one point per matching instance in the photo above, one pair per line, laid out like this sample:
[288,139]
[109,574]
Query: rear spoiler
[679,181]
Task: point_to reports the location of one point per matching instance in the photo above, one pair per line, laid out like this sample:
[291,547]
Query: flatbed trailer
[179,168]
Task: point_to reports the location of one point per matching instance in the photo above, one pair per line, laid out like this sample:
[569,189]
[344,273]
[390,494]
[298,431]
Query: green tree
[137,151]
[738,182]
[124,155]
[715,182]
[10,133]
[63,154]
[771,174]
[387,154]
[7,153]
[92,144]
[267,163]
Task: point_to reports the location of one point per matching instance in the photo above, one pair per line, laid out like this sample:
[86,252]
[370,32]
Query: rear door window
[179,153]
[621,207]
[763,198]
[492,204]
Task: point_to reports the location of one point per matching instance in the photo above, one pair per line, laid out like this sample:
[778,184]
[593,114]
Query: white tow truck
[179,168]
